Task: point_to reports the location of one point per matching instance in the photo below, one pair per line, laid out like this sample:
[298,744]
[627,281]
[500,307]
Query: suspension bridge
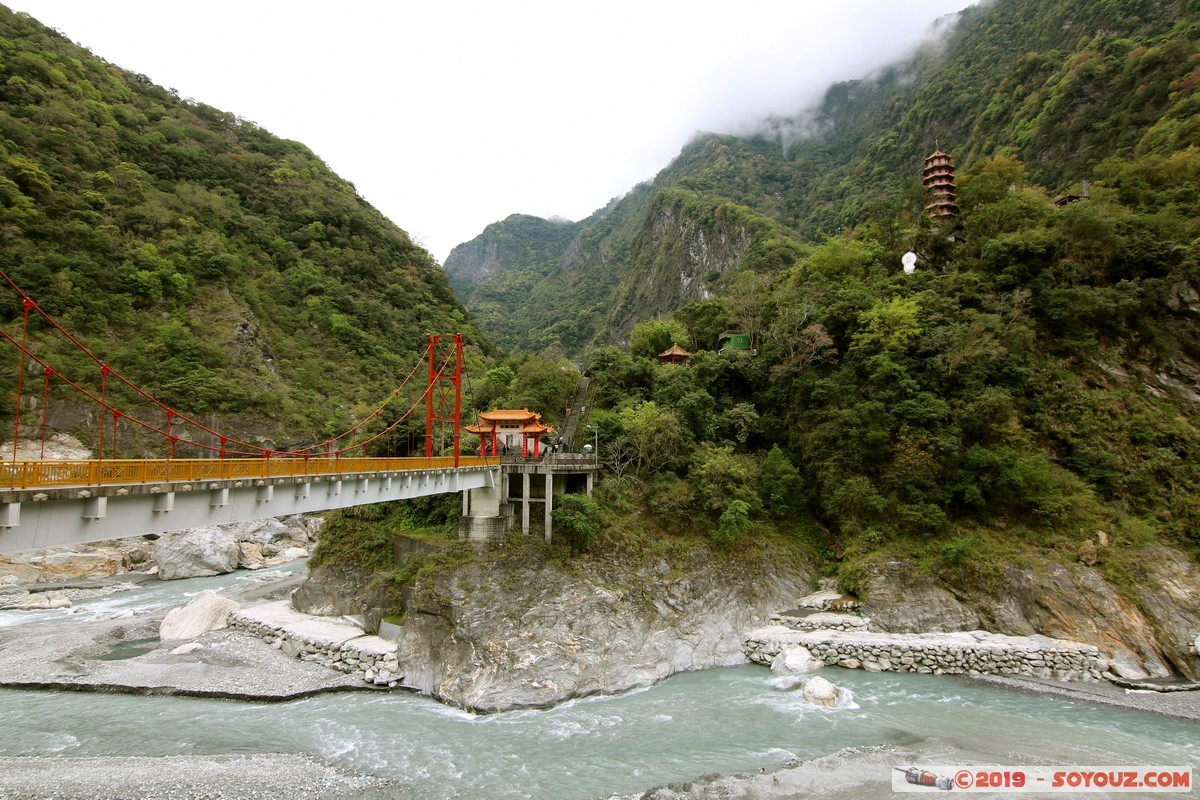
[207,477]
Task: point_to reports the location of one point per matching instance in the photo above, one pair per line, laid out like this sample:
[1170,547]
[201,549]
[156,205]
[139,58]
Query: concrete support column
[466,508]
[549,502]
[591,481]
[525,503]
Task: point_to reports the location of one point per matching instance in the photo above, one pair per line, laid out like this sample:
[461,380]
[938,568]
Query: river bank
[729,725]
[110,645]
[842,776]
[58,645]
[225,777]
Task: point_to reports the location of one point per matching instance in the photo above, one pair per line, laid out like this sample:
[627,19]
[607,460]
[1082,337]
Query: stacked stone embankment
[965,652]
[822,621]
[336,644]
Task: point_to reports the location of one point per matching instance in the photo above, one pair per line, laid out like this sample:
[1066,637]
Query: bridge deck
[62,502]
[25,475]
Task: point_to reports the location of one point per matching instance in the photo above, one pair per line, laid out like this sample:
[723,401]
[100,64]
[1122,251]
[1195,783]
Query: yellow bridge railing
[47,474]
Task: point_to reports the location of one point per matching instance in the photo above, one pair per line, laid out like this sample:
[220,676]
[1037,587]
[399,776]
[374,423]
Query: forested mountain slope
[222,268]
[1060,86]
[1017,414]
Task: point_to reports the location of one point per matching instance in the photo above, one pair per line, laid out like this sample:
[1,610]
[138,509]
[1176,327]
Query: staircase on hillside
[573,420]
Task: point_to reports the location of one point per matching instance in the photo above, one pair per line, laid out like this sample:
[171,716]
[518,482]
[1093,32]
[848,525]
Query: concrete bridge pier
[484,516]
[525,484]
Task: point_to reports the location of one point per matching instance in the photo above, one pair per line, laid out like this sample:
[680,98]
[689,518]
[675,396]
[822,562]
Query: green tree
[989,181]
[617,378]
[655,436]
[737,423]
[779,484]
[733,524]
[705,322]
[544,386]
[719,477]
[749,301]
[494,390]
[655,336]
[578,519]
[889,325]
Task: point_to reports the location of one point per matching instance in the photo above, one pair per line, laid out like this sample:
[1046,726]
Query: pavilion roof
[488,427]
[675,351]
[510,415]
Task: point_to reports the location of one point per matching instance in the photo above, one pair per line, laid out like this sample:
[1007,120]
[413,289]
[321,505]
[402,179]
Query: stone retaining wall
[825,621]
[368,656]
[963,653]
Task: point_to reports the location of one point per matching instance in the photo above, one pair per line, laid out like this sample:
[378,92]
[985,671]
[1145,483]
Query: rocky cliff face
[1152,637]
[517,241]
[495,635]
[474,261]
[516,629]
[676,260]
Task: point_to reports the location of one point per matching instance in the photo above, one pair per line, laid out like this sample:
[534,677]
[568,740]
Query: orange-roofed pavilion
[500,428]
[674,355]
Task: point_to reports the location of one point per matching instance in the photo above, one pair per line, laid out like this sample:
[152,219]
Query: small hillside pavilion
[501,429]
[674,355]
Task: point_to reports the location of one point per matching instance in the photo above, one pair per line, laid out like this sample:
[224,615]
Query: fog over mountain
[447,117]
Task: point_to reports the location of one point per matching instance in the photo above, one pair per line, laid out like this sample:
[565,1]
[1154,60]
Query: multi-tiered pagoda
[938,177]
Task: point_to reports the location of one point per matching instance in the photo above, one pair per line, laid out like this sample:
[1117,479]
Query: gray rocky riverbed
[120,651]
[90,654]
[223,777]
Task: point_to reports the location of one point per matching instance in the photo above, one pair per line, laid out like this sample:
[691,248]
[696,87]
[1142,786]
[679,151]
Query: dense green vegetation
[1060,86]
[1014,389]
[1031,384]
[534,284]
[220,267]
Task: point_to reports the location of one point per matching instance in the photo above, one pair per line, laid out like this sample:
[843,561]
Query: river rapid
[716,721]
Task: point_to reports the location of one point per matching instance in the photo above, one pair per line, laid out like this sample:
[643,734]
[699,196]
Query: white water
[731,720]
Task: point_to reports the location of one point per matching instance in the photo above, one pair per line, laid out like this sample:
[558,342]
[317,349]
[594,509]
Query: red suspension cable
[105,371]
[28,304]
[330,446]
[45,407]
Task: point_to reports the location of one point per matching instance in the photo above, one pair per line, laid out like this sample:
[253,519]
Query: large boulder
[280,532]
[821,692]
[795,661]
[206,612]
[67,566]
[286,555]
[196,553]
[59,566]
[251,555]
[604,626]
[34,602]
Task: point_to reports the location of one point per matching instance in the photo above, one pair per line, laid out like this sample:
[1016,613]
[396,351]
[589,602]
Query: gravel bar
[220,777]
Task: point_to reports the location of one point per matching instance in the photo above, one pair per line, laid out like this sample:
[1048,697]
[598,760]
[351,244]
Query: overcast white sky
[448,115]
